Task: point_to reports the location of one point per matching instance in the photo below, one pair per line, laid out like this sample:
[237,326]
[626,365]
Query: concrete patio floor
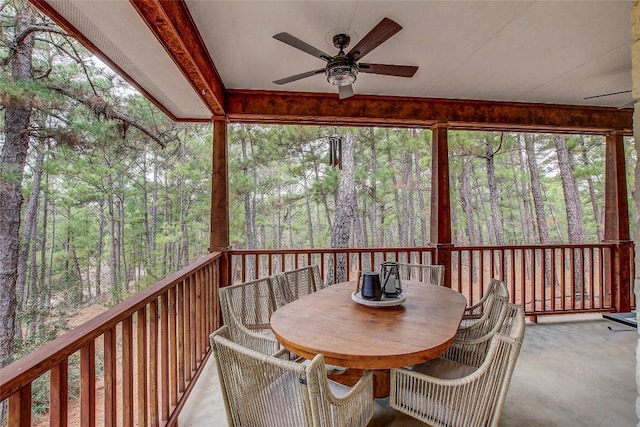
[572,371]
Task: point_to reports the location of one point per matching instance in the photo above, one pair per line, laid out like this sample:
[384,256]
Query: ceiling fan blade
[345,91]
[299,44]
[380,33]
[299,76]
[608,94]
[388,70]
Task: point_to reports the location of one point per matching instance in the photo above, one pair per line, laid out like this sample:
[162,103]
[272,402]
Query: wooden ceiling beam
[172,24]
[366,110]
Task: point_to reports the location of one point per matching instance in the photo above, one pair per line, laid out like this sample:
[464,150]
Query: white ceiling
[523,51]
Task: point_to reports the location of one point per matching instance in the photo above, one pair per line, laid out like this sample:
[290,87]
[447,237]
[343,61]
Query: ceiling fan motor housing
[342,71]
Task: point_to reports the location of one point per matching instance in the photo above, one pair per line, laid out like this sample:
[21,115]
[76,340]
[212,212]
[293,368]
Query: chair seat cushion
[338,390]
[444,369]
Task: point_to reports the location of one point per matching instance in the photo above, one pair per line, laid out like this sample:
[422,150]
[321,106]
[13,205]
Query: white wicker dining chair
[290,285]
[261,390]
[458,395]
[475,311]
[246,310]
[478,311]
[431,274]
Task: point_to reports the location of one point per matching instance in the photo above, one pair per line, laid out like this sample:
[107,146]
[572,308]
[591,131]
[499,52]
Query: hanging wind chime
[335,151]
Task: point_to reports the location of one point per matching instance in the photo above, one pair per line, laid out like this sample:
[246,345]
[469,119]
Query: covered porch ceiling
[481,64]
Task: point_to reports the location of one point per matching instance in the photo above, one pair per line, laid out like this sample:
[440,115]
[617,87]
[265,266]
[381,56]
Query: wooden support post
[616,222]
[219,232]
[441,199]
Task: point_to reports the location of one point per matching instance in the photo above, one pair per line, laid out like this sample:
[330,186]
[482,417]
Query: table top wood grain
[352,335]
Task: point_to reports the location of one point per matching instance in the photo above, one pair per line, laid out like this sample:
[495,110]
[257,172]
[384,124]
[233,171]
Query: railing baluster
[546,288]
[552,268]
[20,407]
[512,282]
[481,270]
[88,385]
[173,347]
[192,330]
[180,336]
[199,315]
[153,363]
[523,278]
[182,319]
[604,299]
[563,277]
[59,394]
[141,364]
[127,371]
[110,380]
[164,353]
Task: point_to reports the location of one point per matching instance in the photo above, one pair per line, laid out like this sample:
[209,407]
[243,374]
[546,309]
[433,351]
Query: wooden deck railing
[549,279]
[139,359]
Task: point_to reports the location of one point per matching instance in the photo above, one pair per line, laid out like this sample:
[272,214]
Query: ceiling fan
[342,69]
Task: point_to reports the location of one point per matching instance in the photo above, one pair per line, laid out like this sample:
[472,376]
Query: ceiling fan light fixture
[341,73]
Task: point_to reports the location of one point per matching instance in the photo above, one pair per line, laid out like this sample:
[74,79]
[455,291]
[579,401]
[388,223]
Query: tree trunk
[113,240]
[466,198]
[526,191]
[248,196]
[407,202]
[307,208]
[12,161]
[363,220]
[423,211]
[575,221]
[154,217]
[123,269]
[536,189]
[100,247]
[374,179]
[345,208]
[30,225]
[592,191]
[496,217]
[521,200]
[42,279]
[358,233]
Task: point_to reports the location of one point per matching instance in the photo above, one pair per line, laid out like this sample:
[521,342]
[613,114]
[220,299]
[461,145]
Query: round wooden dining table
[352,335]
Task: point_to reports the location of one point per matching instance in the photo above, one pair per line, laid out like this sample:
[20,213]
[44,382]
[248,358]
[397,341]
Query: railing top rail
[536,246]
[329,250]
[425,248]
[39,361]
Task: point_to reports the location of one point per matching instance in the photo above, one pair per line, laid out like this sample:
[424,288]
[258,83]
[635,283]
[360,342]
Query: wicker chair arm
[261,342]
[471,352]
[477,308]
[355,408]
